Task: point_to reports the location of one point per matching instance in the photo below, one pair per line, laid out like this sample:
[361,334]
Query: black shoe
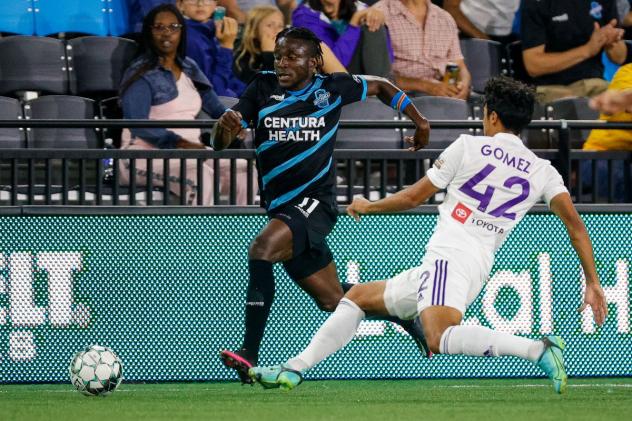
[238,362]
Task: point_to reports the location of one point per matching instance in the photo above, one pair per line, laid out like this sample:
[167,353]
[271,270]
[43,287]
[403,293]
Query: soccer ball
[96,371]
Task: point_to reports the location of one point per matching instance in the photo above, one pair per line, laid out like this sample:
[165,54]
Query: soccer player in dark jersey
[295,112]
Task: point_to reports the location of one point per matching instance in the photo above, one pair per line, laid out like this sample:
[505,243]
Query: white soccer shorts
[443,279]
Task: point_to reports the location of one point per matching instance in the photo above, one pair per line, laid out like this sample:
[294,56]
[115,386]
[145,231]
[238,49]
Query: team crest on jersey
[595,10]
[461,212]
[321,98]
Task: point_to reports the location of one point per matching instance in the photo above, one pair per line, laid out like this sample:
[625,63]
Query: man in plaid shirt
[425,39]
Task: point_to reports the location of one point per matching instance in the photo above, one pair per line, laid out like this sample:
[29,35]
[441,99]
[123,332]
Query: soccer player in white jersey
[491,181]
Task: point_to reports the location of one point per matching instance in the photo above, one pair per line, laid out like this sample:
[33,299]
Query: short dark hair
[304,34]
[346,8]
[512,100]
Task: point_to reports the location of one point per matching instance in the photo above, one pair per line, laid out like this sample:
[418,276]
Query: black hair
[512,100]
[304,34]
[148,49]
[345,11]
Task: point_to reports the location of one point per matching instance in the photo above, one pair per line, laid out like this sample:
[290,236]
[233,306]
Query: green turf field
[528,399]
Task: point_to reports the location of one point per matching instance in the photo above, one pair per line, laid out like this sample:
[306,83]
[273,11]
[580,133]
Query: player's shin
[334,334]
[258,303]
[480,341]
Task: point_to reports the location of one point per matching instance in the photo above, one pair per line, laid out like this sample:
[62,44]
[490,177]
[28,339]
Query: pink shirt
[185,106]
[421,51]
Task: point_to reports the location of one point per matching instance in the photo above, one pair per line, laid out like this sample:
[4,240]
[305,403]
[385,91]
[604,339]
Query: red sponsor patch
[461,212]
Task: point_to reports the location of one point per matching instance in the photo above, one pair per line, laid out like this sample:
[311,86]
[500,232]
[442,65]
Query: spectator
[425,39]
[354,32]
[614,139]
[562,41]
[165,84]
[256,51]
[485,19]
[210,43]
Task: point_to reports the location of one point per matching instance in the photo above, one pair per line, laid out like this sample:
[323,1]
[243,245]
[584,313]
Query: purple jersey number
[486,197]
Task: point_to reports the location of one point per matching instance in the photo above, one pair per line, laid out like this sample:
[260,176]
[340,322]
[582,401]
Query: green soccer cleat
[552,362]
[276,376]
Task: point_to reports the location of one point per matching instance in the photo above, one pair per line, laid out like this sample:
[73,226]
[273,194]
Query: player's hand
[230,121]
[358,207]
[226,32]
[595,298]
[420,138]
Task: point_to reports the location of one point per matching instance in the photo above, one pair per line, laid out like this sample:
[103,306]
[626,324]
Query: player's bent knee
[433,338]
[328,304]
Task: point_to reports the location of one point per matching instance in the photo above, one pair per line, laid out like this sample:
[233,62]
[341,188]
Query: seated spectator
[165,84]
[425,40]
[256,51]
[485,19]
[354,32]
[614,139]
[562,41]
[210,43]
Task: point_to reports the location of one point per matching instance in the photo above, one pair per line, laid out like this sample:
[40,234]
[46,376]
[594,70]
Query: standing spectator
[164,84]
[354,32]
[485,19]
[425,39]
[562,41]
[210,43]
[256,51]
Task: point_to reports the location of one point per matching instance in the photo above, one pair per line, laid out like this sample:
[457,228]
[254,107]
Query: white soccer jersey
[491,184]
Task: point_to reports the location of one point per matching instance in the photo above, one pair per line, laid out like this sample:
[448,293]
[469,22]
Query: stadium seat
[81,16]
[442,108]
[16,17]
[10,109]
[537,138]
[110,109]
[370,110]
[516,62]
[118,18]
[484,59]
[61,107]
[97,64]
[33,64]
[574,108]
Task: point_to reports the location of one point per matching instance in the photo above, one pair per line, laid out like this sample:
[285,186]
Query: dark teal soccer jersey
[295,133]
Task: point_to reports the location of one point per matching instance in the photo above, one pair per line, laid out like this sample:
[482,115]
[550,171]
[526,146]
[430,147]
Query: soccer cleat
[276,376]
[552,362]
[238,362]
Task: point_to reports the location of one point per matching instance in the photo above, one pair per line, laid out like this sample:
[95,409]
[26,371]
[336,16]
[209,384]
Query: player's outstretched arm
[563,207]
[392,96]
[226,129]
[409,198]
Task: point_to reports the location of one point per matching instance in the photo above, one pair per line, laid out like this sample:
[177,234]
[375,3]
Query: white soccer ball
[96,371]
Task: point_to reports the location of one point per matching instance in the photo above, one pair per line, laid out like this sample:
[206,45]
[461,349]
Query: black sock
[258,302]
[346,286]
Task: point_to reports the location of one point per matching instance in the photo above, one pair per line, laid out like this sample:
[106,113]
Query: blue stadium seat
[33,64]
[16,17]
[118,17]
[82,16]
[10,109]
[97,64]
[61,107]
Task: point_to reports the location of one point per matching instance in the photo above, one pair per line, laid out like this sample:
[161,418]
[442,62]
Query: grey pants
[371,54]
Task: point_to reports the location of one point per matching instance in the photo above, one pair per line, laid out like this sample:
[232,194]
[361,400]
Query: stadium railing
[75,176]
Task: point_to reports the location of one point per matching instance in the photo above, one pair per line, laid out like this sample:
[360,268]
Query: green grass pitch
[515,399]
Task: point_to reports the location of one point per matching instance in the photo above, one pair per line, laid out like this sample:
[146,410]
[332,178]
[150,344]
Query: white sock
[480,341]
[334,334]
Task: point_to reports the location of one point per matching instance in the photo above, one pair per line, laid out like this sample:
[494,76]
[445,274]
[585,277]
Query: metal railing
[75,177]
